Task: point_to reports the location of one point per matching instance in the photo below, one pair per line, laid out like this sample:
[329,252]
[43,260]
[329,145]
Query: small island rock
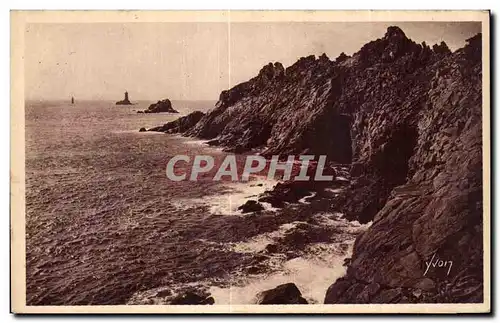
[161,106]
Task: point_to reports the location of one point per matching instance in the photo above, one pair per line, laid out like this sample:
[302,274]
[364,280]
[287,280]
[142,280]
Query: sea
[104,224]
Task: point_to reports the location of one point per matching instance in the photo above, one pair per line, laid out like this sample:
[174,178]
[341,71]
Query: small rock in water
[272,248]
[142,129]
[283,294]
[251,206]
[289,192]
[161,106]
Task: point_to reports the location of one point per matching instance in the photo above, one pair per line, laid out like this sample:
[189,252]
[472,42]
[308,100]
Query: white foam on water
[197,142]
[259,242]
[237,194]
[227,204]
[319,267]
[337,220]
[312,275]
[200,143]
[334,190]
[303,200]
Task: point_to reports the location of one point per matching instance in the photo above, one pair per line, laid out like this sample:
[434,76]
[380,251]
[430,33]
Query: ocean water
[104,225]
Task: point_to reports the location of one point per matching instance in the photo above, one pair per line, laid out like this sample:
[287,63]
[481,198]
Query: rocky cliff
[407,119]
[425,152]
[181,124]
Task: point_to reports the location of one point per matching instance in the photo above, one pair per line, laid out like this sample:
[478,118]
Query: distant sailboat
[72,100]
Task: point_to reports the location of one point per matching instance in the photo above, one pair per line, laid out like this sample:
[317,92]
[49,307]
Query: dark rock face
[442,48]
[277,108]
[408,119]
[430,166]
[142,130]
[161,106]
[180,125]
[283,294]
[251,206]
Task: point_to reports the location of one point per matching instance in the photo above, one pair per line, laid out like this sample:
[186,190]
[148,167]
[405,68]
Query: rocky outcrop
[425,244]
[160,106]
[251,206]
[407,117]
[283,294]
[180,125]
[123,102]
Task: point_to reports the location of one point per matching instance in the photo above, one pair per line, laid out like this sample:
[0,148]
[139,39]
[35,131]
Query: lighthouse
[125,101]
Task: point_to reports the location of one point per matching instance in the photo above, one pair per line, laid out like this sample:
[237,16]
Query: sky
[190,61]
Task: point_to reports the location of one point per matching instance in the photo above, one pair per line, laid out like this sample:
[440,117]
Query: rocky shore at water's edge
[406,118]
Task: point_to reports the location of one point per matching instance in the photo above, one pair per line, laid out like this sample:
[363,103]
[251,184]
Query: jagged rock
[283,294]
[180,125]
[251,206]
[161,106]
[142,130]
[442,48]
[428,200]
[341,58]
[324,57]
[335,291]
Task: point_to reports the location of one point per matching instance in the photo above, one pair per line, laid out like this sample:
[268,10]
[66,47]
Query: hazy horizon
[191,61]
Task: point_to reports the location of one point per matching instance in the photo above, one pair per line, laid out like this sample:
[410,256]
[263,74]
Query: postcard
[250,162]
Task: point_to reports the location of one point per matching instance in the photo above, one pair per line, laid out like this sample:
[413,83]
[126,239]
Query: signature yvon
[438,263]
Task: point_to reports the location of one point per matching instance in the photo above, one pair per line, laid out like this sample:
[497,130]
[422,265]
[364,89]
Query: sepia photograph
[250,162]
